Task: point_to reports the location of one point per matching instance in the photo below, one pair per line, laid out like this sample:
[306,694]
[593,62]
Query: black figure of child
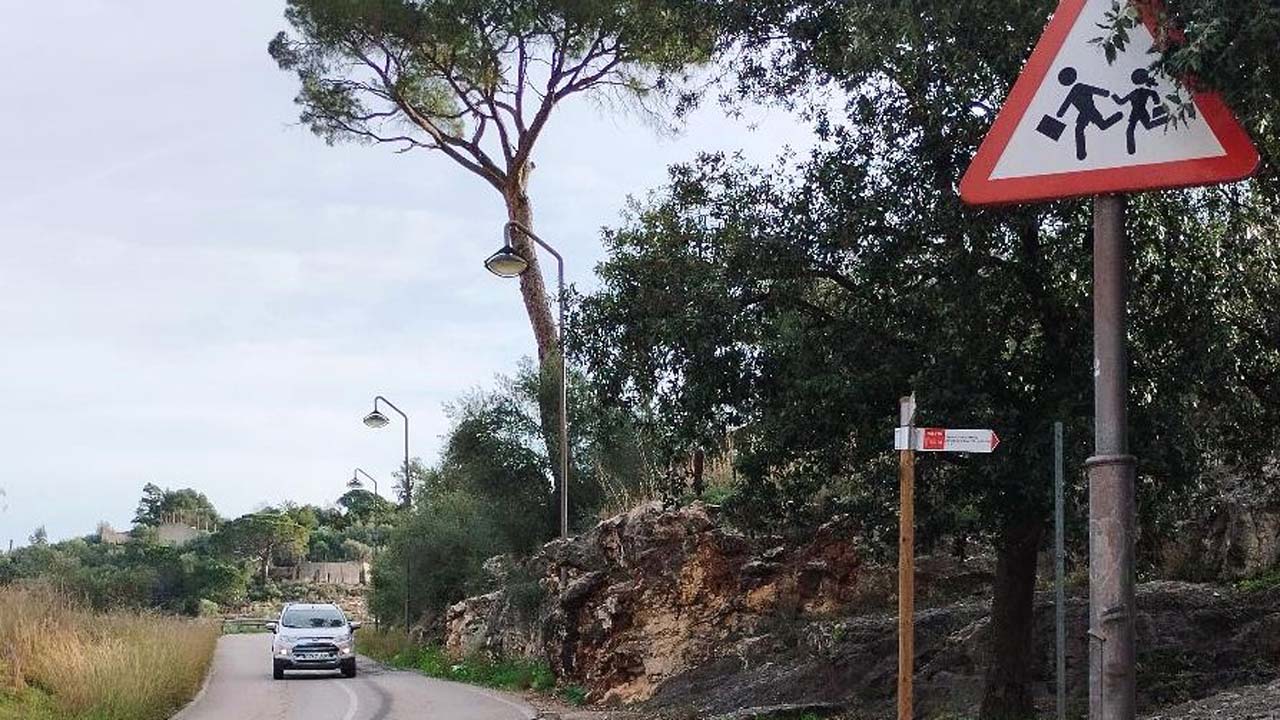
[1082,97]
[1139,114]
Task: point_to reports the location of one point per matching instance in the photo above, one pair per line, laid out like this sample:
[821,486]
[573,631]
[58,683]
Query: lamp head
[354,483]
[506,263]
[376,419]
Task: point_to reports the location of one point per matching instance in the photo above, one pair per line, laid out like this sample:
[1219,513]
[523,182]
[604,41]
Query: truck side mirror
[356,625]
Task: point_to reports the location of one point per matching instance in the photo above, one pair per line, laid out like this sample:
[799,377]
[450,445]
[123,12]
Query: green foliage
[790,308]
[1229,46]
[442,544]
[137,574]
[263,536]
[466,77]
[361,507]
[516,674]
[574,695]
[186,506]
[491,493]
[1261,583]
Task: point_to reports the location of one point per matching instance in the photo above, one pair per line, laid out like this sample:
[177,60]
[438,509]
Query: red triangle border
[977,188]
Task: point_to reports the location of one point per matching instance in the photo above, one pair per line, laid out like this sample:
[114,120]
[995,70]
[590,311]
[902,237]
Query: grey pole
[407,502]
[355,481]
[1059,569]
[564,378]
[1112,682]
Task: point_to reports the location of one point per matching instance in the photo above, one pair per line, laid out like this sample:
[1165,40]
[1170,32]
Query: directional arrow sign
[1076,124]
[946,440]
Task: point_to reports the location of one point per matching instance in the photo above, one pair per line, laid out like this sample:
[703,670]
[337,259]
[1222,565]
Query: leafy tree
[39,536]
[261,537]
[795,308]
[442,544]
[161,505]
[363,507]
[478,82]
[356,550]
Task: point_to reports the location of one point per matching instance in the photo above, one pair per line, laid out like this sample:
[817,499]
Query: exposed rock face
[651,594]
[676,611]
[1235,535]
[1193,641]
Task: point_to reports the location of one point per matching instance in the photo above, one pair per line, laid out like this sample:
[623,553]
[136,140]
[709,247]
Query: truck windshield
[313,618]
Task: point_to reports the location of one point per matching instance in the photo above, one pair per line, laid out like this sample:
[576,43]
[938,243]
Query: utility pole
[906,559]
[1112,509]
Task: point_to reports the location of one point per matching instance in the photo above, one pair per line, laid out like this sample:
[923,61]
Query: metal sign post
[1112,509]
[906,560]
[1059,570]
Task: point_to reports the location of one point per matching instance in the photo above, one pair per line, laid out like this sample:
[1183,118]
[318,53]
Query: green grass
[1263,582]
[516,674]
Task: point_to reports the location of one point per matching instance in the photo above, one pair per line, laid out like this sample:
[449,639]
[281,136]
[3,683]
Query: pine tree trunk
[1007,695]
[538,308]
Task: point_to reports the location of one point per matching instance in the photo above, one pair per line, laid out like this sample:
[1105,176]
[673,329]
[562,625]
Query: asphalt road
[241,688]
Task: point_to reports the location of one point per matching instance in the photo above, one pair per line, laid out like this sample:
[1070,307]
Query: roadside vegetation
[62,661]
[223,564]
[394,648]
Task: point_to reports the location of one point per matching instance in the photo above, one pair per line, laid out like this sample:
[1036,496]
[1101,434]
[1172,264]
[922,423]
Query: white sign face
[1075,124]
[946,440]
[1093,115]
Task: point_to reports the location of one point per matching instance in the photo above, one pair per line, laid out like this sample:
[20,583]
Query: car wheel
[349,668]
[277,671]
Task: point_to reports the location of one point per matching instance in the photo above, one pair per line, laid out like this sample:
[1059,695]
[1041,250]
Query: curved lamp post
[507,263]
[355,484]
[377,419]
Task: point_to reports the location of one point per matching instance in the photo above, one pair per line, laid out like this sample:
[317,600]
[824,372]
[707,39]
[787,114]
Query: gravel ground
[1256,702]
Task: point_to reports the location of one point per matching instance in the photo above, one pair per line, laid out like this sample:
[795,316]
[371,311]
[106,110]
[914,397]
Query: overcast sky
[197,292]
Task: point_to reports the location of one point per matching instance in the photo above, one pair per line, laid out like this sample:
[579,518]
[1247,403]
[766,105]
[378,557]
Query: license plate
[314,656]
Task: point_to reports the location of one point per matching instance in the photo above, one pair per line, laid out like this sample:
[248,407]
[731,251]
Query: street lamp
[375,420]
[508,263]
[355,484]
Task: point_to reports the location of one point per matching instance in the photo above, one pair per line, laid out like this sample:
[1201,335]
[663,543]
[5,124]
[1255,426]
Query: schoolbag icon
[1051,127]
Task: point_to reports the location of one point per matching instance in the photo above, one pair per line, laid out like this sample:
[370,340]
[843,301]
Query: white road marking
[355,701]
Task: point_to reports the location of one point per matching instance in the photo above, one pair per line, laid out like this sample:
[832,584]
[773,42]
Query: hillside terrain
[674,613]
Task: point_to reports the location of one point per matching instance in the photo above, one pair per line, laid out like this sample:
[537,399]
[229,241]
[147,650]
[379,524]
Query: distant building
[177,534]
[167,534]
[108,535]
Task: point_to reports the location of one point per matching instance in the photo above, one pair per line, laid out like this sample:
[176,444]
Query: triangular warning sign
[1076,124]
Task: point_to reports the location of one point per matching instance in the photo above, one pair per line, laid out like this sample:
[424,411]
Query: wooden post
[906,559]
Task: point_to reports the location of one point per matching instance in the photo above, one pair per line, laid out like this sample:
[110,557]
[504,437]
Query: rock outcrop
[679,612]
[646,596]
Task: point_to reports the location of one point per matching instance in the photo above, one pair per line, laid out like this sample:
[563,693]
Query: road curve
[240,688]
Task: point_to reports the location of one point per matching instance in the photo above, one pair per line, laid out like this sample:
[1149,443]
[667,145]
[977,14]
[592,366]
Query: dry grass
[60,661]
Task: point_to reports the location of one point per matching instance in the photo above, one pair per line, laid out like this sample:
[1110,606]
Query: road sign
[945,440]
[1076,124]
